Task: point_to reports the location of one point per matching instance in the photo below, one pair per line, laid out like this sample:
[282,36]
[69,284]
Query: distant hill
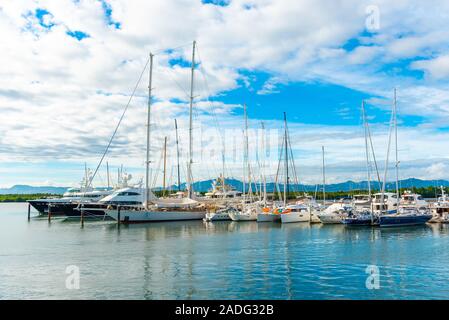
[205,185]
[25,189]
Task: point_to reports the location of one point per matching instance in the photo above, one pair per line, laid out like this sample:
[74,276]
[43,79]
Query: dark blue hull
[405,220]
[57,208]
[362,220]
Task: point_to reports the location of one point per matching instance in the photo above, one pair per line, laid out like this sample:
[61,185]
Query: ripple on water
[226,260]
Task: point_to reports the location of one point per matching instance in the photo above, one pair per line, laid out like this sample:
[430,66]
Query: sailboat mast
[263,166]
[245,151]
[324,178]
[387,159]
[286,161]
[165,165]
[189,167]
[107,172]
[85,176]
[177,155]
[147,162]
[366,149]
[396,145]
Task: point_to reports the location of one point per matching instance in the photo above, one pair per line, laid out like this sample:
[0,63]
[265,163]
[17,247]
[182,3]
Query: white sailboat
[154,209]
[294,212]
[248,211]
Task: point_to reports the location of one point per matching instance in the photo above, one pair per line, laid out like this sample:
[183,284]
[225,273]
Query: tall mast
[366,149]
[387,158]
[396,145]
[85,176]
[245,151]
[189,167]
[263,166]
[368,172]
[147,163]
[177,155]
[107,172]
[165,165]
[286,161]
[324,178]
[250,190]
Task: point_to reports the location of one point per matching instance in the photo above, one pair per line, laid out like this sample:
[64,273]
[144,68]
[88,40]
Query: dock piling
[118,215]
[82,216]
[29,211]
[49,212]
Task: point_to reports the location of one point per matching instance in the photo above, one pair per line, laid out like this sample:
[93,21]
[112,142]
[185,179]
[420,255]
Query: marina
[224,150]
[218,260]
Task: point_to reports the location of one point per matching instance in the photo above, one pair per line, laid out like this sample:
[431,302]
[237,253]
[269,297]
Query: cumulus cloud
[61,95]
[437,68]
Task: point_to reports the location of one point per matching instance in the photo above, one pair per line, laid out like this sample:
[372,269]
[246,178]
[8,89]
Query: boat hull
[330,219]
[295,217]
[357,221]
[242,217]
[142,216]
[403,220]
[268,217]
[217,217]
[56,208]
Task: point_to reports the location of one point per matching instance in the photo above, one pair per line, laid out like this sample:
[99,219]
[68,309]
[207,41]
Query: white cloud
[437,68]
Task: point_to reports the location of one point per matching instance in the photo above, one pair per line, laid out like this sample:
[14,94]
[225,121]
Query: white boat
[70,200]
[153,214]
[389,205]
[128,196]
[314,207]
[361,202]
[335,213]
[268,216]
[219,215]
[440,209]
[295,213]
[248,214]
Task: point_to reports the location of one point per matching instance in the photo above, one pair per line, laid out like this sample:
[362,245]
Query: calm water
[225,260]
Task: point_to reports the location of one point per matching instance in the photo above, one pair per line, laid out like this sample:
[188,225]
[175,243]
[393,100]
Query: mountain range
[206,185]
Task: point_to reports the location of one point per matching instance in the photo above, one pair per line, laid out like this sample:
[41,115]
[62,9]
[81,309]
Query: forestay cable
[119,122]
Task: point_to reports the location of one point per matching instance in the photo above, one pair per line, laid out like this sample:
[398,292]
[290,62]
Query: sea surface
[223,260]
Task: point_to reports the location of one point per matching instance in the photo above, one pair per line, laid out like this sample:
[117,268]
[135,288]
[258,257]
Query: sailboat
[362,214]
[155,209]
[406,215]
[293,212]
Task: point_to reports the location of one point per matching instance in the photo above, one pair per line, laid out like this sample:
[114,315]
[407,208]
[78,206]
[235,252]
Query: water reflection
[221,260]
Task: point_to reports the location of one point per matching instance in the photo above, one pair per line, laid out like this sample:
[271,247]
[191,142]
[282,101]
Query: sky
[68,69]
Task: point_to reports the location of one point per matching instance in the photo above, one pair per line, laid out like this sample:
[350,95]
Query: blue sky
[70,66]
